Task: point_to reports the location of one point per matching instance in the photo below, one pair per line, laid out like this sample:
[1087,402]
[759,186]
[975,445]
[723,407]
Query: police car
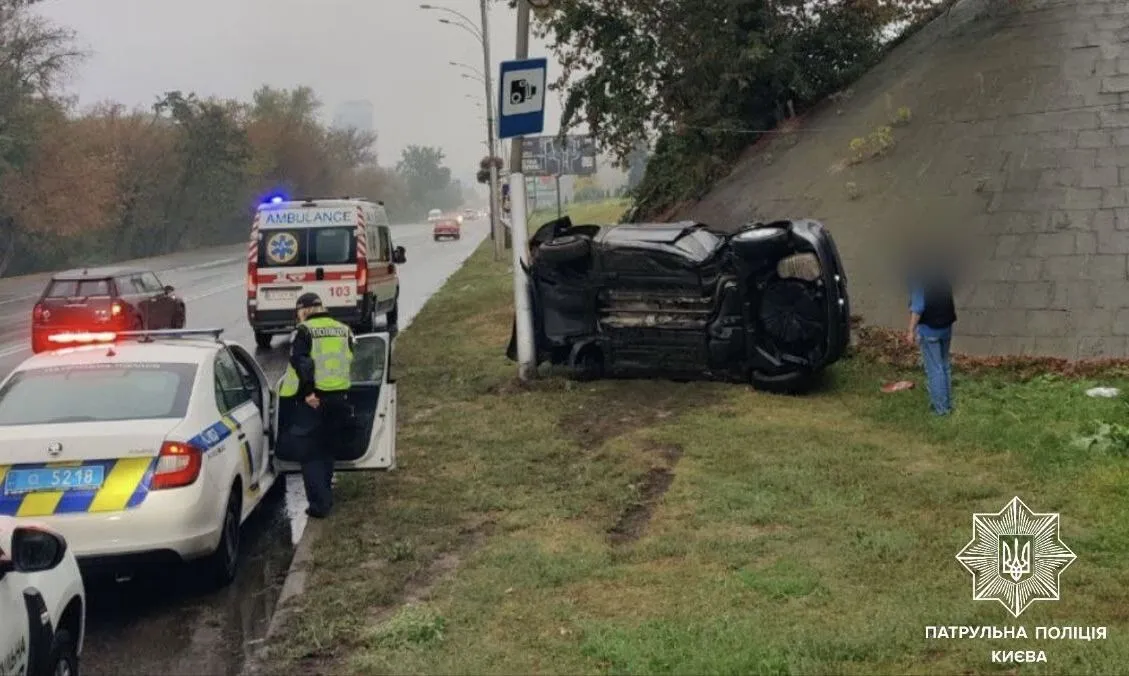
[155,446]
[42,602]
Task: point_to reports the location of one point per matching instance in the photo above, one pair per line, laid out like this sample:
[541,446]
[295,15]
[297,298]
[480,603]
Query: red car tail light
[115,309]
[178,465]
[38,313]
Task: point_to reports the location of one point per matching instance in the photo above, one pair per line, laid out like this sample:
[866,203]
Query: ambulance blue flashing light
[276,198]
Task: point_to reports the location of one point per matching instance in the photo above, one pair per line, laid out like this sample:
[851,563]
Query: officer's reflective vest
[333,358]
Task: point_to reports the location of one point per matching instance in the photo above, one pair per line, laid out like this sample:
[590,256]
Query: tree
[34,54]
[213,151]
[704,75]
[427,179]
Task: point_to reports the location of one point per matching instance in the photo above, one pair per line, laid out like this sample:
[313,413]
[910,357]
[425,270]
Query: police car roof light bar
[147,336]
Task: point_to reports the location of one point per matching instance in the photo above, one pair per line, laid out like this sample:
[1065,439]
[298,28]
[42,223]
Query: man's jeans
[938,372]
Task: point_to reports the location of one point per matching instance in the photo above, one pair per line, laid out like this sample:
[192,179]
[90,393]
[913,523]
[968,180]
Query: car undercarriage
[766,304]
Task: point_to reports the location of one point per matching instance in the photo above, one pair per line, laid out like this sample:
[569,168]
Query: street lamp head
[426,7]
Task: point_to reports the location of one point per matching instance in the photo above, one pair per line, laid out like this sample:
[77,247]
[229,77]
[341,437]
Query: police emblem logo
[282,248]
[54,448]
[1015,557]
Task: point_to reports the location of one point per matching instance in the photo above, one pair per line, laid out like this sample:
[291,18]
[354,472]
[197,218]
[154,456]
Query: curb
[293,587]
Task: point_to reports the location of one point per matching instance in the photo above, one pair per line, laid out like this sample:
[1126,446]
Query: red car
[447,227]
[104,299]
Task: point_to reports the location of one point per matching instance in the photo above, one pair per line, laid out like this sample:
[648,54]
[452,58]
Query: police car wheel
[223,564]
[263,340]
[64,655]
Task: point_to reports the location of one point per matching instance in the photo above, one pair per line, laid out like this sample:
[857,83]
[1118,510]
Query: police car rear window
[307,247]
[77,288]
[97,393]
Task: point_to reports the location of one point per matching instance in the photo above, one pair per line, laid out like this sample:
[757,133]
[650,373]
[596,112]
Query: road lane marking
[213,291]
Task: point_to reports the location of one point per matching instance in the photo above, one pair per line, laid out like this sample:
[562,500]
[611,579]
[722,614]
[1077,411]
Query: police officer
[321,356]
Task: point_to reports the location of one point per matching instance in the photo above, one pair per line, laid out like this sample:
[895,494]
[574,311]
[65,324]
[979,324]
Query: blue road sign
[521,93]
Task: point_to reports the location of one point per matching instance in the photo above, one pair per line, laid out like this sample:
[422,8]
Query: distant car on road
[42,602]
[104,299]
[470,213]
[767,304]
[153,448]
[434,215]
[446,228]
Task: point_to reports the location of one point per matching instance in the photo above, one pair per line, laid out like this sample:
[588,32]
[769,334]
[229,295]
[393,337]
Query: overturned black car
[767,304]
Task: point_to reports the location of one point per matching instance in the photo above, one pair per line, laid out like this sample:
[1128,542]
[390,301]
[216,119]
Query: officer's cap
[307,300]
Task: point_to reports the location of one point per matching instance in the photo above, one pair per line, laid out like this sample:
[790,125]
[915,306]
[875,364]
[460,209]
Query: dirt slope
[1016,150]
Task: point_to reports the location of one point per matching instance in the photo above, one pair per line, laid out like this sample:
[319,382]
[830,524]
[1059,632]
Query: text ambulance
[340,249]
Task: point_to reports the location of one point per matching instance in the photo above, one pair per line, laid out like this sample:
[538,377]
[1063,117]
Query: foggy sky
[387,51]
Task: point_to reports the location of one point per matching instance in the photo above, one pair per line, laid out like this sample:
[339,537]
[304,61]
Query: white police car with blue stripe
[155,446]
[42,602]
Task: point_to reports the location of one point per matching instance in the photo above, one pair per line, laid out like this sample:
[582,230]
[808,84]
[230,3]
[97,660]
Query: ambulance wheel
[368,321]
[222,565]
[392,319]
[263,340]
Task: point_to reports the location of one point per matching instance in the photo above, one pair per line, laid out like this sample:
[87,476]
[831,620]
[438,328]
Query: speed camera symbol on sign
[525,91]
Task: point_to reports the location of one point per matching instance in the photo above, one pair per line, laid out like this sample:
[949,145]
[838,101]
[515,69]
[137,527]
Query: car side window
[151,283]
[250,380]
[231,391]
[385,243]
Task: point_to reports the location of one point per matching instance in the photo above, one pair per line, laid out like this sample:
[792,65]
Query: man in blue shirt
[931,319]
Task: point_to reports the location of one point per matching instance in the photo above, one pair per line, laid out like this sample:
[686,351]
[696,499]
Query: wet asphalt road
[164,622]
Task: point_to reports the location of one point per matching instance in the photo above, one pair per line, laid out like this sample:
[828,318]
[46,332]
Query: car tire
[589,364]
[368,320]
[565,249]
[263,340]
[222,565]
[392,318]
[180,319]
[63,660]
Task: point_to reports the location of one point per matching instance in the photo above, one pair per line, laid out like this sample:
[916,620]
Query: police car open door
[373,398]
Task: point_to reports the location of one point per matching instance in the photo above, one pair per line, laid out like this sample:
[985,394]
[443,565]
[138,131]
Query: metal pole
[523,314]
[558,195]
[495,223]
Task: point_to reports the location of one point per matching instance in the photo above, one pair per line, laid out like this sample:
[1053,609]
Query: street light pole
[495,222]
[483,37]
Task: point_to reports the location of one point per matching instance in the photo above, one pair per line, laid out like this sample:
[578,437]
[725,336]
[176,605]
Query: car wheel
[223,564]
[368,320]
[181,319]
[263,340]
[589,364]
[566,249]
[64,655]
[392,319]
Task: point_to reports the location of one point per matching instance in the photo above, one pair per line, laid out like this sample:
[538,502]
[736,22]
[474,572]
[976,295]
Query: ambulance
[340,249]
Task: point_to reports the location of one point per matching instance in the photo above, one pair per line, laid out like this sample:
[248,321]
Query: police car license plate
[282,294]
[20,481]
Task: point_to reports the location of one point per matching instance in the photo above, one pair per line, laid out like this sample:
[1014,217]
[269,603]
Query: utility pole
[495,220]
[523,311]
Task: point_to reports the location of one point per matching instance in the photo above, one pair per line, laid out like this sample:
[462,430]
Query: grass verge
[643,527]
[603,211]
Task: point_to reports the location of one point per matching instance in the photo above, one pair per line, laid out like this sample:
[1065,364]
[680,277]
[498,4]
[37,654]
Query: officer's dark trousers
[333,415]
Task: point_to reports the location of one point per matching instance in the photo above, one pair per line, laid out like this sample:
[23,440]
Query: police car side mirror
[35,550]
[399,256]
